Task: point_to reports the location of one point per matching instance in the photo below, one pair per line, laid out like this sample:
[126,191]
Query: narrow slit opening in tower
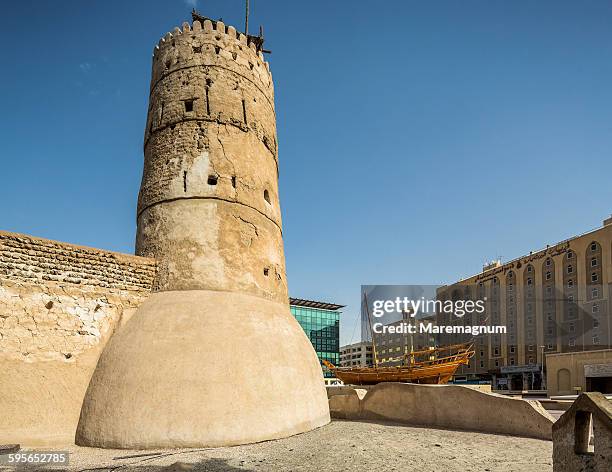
[212,179]
[244,113]
[185,181]
[188,105]
[207,102]
[234,181]
[267,196]
[217,49]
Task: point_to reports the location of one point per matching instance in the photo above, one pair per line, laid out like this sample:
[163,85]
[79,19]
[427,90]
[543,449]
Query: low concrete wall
[563,405]
[346,389]
[445,406]
[482,388]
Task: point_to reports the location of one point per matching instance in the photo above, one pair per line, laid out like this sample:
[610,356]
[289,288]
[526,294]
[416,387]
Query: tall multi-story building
[356,354]
[321,322]
[552,300]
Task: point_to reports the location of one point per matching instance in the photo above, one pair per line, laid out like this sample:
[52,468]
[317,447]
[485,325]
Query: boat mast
[367,308]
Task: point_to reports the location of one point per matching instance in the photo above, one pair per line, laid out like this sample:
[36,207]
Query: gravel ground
[339,446]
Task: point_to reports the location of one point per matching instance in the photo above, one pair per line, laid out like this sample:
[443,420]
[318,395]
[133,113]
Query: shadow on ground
[207,465]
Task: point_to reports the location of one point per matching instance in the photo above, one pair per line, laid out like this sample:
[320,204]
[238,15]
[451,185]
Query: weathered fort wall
[443,406]
[59,304]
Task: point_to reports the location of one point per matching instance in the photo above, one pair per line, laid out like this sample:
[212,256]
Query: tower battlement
[197,44]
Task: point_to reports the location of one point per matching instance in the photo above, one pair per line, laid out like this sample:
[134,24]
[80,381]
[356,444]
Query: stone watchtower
[214,356]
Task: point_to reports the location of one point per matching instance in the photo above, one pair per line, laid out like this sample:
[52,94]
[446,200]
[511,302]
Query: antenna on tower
[246,19]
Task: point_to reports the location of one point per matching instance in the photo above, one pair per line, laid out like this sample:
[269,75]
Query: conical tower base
[203,368]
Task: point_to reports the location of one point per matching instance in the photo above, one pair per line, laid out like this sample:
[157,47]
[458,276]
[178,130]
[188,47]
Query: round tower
[213,357]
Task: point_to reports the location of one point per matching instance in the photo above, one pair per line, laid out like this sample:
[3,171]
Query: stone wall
[59,304]
[443,406]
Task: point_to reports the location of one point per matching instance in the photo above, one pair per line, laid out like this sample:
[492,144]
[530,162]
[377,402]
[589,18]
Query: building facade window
[322,326]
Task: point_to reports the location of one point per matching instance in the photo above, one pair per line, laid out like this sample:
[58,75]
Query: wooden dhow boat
[429,366]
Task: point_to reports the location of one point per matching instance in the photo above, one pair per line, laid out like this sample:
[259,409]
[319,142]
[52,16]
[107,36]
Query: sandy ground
[339,446]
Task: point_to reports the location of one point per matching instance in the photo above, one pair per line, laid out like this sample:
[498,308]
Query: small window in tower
[217,49]
[267,196]
[188,105]
[212,179]
[266,271]
[197,49]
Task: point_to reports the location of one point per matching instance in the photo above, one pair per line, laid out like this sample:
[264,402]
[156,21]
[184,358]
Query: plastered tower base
[220,375]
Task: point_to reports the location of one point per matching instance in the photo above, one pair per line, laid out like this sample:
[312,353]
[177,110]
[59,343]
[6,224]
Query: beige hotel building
[554,300]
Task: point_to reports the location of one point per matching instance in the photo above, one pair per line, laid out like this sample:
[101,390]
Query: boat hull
[439,374]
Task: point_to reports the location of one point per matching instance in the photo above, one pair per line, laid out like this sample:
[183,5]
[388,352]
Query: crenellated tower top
[196,44]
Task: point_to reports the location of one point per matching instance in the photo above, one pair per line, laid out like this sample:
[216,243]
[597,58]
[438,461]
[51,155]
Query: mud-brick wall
[59,304]
[58,300]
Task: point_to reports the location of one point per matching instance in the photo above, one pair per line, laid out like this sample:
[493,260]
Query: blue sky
[417,139]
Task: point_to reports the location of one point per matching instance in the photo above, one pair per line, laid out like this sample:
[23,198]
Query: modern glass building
[321,322]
